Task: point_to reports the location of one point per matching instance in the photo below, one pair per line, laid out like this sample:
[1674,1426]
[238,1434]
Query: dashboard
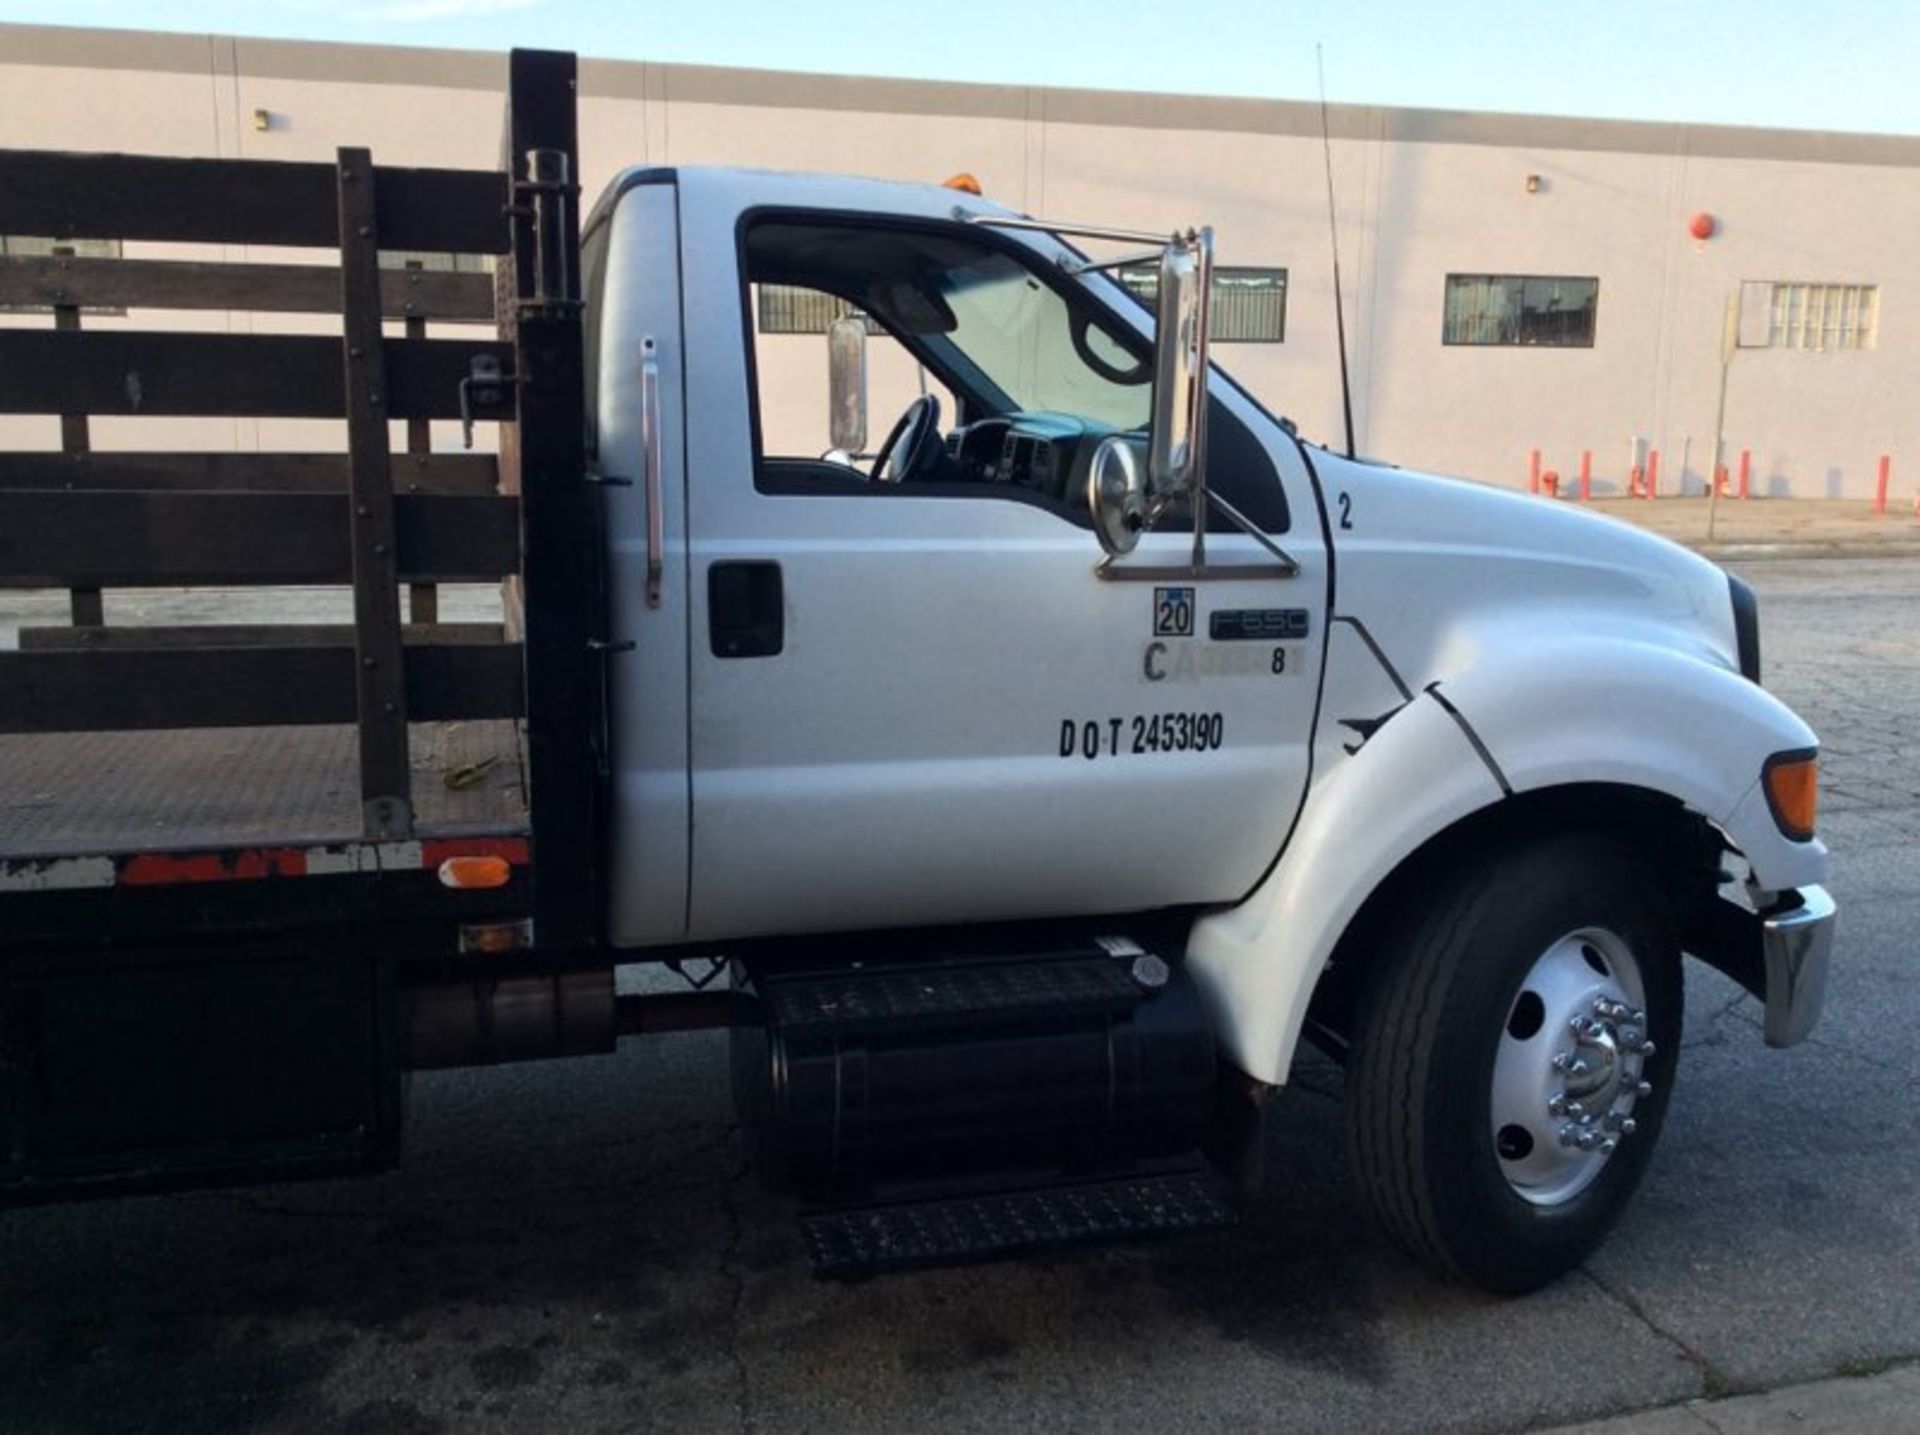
[1045,453]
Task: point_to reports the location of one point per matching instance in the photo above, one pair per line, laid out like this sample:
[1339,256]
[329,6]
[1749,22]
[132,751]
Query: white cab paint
[899,762]
[647,686]
[1578,649]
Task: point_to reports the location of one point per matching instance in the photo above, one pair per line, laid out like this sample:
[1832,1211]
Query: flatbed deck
[112,794]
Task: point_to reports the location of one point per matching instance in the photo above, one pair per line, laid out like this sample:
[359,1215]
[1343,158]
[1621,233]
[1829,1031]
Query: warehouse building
[1514,285]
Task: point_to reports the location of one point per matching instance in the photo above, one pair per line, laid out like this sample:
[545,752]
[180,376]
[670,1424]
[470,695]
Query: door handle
[746,609]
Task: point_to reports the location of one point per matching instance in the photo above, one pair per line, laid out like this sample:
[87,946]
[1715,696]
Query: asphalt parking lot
[580,1247]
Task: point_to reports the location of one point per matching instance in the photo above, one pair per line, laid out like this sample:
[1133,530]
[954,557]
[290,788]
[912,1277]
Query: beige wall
[1421,193]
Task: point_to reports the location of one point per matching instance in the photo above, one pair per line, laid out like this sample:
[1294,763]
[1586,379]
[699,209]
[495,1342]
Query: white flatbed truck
[1041,781]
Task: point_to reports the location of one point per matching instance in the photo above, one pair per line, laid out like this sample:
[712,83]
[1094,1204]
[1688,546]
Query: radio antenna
[1333,226]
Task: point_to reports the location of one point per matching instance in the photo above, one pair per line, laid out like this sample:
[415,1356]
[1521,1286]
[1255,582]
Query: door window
[1030,371]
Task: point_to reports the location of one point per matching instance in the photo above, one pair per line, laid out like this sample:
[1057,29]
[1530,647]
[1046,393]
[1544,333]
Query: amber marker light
[1792,780]
[465,874]
[963,182]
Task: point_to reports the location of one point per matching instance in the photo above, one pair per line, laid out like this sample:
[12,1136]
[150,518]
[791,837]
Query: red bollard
[1880,491]
[1653,474]
[1533,471]
[1550,481]
[1720,480]
[1746,472]
[1586,474]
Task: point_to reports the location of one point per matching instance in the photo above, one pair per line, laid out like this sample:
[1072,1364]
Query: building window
[1249,303]
[1532,310]
[1823,316]
[438,263]
[792,309]
[21,246]
[24,246]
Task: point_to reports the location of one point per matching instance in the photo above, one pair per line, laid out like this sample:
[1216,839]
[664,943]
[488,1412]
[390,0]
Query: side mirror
[1176,460]
[847,385]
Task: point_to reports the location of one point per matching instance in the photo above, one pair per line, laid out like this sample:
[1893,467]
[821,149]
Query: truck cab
[918,694]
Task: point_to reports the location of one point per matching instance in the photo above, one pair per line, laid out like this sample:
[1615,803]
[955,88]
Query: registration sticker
[1173,612]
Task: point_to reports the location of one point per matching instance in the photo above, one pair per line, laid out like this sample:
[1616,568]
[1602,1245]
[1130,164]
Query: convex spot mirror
[1117,493]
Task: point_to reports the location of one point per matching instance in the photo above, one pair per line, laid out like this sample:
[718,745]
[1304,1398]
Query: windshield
[1022,336]
[976,313]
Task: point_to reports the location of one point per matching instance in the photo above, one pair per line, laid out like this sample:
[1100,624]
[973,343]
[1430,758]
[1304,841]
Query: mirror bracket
[1126,503]
[1285,565]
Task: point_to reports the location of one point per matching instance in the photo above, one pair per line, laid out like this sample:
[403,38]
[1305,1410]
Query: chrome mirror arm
[1247,526]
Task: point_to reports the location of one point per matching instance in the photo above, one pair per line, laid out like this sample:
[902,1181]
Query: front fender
[1591,708]
[1576,710]
[1256,964]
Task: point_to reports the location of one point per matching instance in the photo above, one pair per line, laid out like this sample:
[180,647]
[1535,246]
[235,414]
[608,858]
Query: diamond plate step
[893,999]
[868,1239]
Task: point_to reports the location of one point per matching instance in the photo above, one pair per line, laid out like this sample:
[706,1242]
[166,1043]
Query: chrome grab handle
[650,443]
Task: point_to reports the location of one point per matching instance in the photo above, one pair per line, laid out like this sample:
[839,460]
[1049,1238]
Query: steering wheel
[911,443]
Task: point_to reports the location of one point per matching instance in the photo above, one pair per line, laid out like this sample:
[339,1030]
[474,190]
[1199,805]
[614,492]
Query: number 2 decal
[1346,510]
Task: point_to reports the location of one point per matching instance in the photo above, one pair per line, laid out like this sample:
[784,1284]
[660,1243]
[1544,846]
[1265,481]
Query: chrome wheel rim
[1570,1067]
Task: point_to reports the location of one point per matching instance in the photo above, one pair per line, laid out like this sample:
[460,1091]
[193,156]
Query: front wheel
[1513,1059]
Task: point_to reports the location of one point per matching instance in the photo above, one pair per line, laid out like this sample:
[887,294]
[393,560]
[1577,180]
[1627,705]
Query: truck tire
[1513,1058]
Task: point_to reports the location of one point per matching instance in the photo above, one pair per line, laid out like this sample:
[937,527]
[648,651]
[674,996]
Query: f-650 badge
[1257,625]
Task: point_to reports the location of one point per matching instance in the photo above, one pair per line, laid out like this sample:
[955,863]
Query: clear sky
[1807,64]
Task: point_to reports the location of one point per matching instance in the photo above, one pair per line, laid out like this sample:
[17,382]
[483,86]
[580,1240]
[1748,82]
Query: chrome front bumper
[1797,944]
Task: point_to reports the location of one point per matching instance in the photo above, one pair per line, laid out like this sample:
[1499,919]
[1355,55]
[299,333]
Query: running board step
[865,1240]
[892,1001]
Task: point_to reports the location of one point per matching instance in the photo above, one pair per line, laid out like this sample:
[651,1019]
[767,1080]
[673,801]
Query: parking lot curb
[1884,1403]
[1761,552]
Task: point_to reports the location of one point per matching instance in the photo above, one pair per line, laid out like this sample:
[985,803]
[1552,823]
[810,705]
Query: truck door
[915,701]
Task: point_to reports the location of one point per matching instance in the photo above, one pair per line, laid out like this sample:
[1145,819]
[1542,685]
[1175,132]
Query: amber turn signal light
[962,181]
[469,873]
[1792,780]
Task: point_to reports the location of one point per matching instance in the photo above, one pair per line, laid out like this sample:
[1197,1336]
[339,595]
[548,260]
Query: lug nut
[1644,1088]
[1557,1104]
[1628,1126]
[1561,1061]
[1576,1110]
[1647,1048]
[1579,1068]
[1609,1146]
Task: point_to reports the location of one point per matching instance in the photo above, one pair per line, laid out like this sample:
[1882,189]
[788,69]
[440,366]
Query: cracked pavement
[579,1246]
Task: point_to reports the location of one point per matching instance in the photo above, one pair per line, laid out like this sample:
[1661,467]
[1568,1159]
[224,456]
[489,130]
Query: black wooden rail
[146,539]
[267,288]
[369,517]
[473,474]
[243,201]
